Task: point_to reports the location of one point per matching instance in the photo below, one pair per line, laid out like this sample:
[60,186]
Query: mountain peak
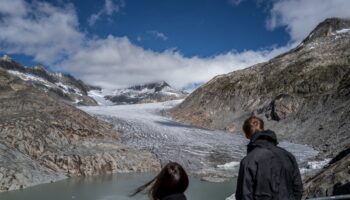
[40,67]
[328,27]
[158,86]
[6,58]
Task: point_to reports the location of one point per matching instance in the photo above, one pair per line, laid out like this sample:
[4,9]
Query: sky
[119,43]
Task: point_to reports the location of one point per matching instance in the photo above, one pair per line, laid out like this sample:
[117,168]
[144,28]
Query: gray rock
[323,183]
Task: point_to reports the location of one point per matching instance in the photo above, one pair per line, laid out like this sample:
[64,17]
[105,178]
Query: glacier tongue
[199,150]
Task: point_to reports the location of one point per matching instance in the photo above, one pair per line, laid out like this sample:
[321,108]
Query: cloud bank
[116,62]
[46,32]
[51,35]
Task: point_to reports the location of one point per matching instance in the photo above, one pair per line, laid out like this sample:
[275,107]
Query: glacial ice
[145,126]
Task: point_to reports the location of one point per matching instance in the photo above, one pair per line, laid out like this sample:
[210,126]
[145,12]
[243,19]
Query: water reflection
[114,187]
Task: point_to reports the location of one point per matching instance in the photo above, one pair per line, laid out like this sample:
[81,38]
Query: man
[268,171]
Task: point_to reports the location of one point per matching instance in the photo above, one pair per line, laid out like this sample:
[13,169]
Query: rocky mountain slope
[44,139]
[304,94]
[64,86]
[145,93]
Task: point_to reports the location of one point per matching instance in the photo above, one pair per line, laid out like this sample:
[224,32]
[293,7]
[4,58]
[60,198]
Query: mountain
[44,139]
[145,93]
[303,94]
[64,86]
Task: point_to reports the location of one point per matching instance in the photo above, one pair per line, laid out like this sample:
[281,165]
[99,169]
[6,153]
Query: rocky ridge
[303,94]
[63,85]
[44,139]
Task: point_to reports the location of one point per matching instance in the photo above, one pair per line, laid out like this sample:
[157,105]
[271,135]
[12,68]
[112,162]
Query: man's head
[252,125]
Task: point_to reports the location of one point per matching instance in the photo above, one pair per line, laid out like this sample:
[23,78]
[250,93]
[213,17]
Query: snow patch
[344,30]
[314,165]
[30,77]
[229,166]
[99,97]
[39,80]
[68,89]
[232,197]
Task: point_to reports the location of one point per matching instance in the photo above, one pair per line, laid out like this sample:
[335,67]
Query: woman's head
[172,179]
[252,125]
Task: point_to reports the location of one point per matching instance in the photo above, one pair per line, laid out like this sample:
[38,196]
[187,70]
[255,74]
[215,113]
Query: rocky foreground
[333,179]
[43,139]
[303,95]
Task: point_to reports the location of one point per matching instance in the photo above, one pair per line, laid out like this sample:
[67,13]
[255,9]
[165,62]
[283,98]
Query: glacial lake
[115,187]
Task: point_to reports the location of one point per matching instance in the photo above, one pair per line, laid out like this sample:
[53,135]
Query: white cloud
[158,35]
[116,62]
[39,29]
[52,36]
[110,7]
[300,17]
[15,8]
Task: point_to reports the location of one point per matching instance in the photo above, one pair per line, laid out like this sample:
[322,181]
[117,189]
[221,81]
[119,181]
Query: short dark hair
[252,125]
[172,179]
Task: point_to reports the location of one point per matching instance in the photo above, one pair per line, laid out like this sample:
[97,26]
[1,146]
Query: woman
[169,184]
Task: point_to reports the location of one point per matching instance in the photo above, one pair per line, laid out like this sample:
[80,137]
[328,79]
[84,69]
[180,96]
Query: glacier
[201,151]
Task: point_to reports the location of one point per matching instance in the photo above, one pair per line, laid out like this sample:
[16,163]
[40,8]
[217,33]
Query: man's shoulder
[291,158]
[257,155]
[285,153]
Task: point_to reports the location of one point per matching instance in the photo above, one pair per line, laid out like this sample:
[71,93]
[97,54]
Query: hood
[262,139]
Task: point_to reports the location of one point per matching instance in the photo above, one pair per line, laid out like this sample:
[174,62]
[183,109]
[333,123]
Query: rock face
[44,139]
[146,93]
[334,179]
[304,94]
[64,86]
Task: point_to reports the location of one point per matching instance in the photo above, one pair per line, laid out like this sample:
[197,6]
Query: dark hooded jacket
[175,197]
[268,171]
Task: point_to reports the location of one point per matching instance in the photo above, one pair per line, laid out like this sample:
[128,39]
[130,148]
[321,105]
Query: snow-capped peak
[6,58]
[143,93]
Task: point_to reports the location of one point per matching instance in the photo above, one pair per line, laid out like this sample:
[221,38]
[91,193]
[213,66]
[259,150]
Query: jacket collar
[264,138]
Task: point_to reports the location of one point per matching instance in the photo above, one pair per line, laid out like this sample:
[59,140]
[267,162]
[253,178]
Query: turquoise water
[114,187]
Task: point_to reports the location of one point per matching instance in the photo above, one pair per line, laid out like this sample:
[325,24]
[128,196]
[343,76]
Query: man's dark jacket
[268,171]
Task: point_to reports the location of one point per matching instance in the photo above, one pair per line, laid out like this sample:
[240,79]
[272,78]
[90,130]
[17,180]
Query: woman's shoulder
[180,196]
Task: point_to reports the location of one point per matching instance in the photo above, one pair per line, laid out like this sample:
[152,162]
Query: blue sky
[201,28]
[194,27]
[118,43]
